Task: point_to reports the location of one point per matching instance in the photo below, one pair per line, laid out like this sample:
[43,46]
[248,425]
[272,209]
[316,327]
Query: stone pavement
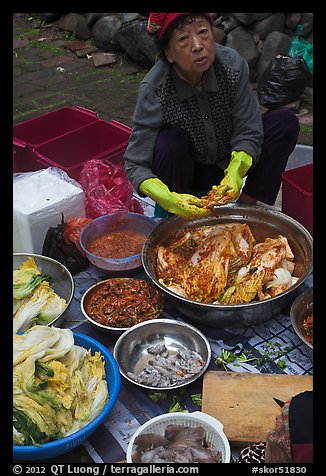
[50,72]
[47,75]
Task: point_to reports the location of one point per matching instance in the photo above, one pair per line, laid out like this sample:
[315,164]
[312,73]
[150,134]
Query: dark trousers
[174,159]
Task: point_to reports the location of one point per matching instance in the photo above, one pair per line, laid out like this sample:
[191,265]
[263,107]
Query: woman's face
[191,48]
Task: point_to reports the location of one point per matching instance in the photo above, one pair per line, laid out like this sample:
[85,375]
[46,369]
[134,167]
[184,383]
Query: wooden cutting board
[243,402]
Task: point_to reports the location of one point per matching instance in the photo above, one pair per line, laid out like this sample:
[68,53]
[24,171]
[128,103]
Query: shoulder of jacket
[229,57]
[156,74]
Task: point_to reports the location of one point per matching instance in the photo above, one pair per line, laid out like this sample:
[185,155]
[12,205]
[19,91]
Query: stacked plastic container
[67,138]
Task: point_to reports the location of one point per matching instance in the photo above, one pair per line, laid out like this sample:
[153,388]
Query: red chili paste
[118,244]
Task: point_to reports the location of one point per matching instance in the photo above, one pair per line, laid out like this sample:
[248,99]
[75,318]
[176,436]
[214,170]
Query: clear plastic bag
[107,189]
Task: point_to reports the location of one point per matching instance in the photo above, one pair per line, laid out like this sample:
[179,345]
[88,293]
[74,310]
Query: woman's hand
[230,186]
[182,204]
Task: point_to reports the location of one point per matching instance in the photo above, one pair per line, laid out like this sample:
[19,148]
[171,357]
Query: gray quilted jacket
[224,116]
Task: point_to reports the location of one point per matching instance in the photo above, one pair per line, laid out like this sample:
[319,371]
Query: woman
[291,440]
[197,123]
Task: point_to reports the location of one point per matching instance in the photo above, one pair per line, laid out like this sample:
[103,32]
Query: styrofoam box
[39,199]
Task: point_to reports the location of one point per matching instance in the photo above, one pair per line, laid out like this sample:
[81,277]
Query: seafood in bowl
[162,354]
[180,438]
[180,444]
[168,367]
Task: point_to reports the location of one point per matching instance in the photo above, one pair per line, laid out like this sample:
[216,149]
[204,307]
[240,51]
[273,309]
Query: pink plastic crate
[98,140]
[297,195]
[34,132]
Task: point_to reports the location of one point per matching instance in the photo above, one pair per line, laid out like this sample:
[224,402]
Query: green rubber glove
[229,188]
[180,204]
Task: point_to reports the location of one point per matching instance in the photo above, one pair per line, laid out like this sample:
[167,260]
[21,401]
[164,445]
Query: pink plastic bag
[107,189]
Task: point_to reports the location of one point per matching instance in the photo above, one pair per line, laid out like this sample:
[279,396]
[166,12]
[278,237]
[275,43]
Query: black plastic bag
[56,247]
[283,81]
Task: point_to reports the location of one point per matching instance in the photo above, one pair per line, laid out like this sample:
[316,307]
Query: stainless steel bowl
[301,308]
[130,350]
[264,222]
[61,279]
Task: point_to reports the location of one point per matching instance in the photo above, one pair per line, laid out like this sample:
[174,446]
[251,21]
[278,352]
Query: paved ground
[47,75]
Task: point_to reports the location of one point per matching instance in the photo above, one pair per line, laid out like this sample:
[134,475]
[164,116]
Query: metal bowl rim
[293,309]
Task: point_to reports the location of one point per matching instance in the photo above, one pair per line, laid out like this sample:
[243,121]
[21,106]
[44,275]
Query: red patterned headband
[158,22]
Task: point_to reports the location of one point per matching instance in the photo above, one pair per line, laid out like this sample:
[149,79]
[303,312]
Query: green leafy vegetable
[25,281]
[54,306]
[58,387]
[157,396]
[274,352]
[197,399]
[43,370]
[34,300]
[30,431]
[226,357]
[176,407]
[32,306]
[177,401]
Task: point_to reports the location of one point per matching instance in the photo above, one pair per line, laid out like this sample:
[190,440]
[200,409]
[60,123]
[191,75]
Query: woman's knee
[173,140]
[282,121]
[173,159]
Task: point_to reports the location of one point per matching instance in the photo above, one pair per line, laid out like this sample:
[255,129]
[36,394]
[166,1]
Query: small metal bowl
[117,331]
[301,308]
[130,350]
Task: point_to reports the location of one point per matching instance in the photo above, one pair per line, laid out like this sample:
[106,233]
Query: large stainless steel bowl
[264,222]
